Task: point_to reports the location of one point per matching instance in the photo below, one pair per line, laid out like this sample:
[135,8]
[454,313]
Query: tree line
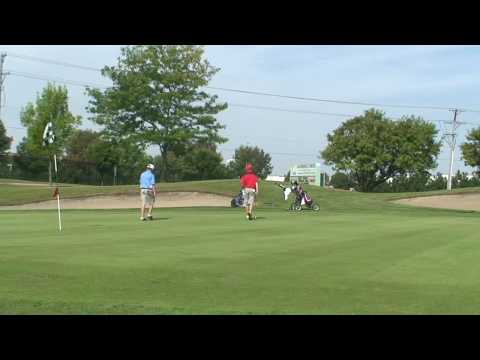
[157,100]
[373,153]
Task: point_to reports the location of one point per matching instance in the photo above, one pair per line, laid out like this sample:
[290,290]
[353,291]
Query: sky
[444,76]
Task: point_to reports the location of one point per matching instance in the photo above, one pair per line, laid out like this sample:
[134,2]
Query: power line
[53,62]
[61,63]
[60,80]
[103,86]
[289,110]
[323,113]
[333,101]
[276,153]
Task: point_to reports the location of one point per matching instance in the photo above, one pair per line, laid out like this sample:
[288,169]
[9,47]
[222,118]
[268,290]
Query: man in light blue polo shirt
[147,191]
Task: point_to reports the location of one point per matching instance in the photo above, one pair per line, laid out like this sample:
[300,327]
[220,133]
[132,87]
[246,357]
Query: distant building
[275,178]
[310,174]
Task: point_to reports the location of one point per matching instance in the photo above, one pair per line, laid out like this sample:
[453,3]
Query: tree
[127,157]
[5,143]
[195,163]
[157,98]
[92,156]
[50,106]
[76,148]
[77,167]
[29,164]
[341,180]
[260,160]
[438,183]
[203,163]
[412,182]
[103,154]
[471,149]
[374,148]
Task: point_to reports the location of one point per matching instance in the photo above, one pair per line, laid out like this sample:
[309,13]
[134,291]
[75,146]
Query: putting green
[358,255]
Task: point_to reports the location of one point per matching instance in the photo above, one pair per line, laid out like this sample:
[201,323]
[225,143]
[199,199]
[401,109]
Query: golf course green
[360,254]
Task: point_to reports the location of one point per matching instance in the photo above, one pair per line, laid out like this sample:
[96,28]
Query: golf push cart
[302,199]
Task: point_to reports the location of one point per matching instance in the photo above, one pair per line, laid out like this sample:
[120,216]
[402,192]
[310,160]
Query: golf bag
[302,198]
[238,201]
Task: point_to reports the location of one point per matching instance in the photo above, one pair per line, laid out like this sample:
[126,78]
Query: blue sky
[417,75]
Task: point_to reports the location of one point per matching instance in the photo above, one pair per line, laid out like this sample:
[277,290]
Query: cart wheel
[315,207]
[298,207]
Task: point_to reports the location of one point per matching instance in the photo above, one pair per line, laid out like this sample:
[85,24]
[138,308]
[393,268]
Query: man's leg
[247,211]
[142,209]
[245,203]
[253,206]
[249,205]
[151,202]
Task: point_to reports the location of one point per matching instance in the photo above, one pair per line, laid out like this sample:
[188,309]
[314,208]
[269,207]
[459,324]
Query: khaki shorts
[147,197]
[250,196]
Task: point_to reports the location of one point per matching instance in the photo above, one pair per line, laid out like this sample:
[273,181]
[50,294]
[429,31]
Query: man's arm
[154,186]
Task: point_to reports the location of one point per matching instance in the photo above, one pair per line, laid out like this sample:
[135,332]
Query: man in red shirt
[249,182]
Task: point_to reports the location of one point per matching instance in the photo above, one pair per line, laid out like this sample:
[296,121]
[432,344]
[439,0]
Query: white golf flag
[48,135]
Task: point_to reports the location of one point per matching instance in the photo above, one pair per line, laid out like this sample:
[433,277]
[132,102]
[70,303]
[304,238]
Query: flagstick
[59,215]
[58,194]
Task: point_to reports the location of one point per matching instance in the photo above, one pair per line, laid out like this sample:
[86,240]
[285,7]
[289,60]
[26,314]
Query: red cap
[249,168]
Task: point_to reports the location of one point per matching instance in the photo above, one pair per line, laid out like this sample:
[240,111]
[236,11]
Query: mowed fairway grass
[359,255]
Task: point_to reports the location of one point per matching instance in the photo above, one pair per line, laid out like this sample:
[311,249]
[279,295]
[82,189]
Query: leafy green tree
[374,148]
[195,163]
[90,153]
[471,149]
[126,157]
[202,163]
[438,183]
[103,154]
[5,143]
[76,149]
[260,160]
[51,106]
[28,164]
[176,168]
[461,180]
[157,98]
[76,166]
[412,182]
[131,161]
[340,180]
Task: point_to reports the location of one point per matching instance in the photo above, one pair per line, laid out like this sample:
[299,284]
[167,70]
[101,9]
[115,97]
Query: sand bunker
[457,202]
[25,184]
[164,200]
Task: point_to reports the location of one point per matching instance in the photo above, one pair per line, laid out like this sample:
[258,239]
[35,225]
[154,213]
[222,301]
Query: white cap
[150,166]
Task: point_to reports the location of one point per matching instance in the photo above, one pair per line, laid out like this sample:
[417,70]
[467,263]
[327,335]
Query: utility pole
[2,78]
[451,140]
